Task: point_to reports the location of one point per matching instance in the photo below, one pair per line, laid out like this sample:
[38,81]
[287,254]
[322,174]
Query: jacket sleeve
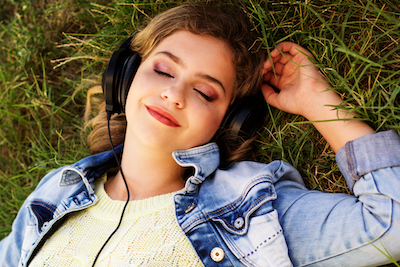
[10,246]
[332,229]
[23,228]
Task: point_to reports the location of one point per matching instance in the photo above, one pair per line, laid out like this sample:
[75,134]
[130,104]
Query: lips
[162,116]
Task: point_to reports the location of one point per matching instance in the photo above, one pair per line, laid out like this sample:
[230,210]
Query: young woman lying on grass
[182,209]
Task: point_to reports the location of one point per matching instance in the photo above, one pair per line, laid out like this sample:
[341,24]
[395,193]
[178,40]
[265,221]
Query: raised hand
[302,90]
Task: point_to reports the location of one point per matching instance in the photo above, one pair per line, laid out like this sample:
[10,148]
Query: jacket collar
[88,169]
[204,159]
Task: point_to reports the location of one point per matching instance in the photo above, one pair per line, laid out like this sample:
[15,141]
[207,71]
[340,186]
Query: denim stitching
[183,154]
[351,160]
[45,205]
[70,181]
[262,243]
[231,206]
[255,203]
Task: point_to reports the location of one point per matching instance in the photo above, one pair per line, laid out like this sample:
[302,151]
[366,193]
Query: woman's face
[181,92]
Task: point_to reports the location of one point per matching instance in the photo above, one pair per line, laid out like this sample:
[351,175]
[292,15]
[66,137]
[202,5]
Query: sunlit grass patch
[49,49]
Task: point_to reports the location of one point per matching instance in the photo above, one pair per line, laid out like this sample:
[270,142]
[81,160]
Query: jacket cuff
[368,153]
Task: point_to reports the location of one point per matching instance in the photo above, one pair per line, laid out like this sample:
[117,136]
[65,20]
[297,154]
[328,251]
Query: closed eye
[206,97]
[163,73]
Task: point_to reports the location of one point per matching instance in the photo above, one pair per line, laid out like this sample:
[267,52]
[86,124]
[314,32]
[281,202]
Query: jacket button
[44,226]
[190,208]
[217,254]
[239,222]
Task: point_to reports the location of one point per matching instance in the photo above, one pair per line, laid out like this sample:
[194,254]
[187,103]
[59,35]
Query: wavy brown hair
[225,21]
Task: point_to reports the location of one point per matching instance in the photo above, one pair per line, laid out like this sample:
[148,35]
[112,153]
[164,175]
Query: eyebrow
[174,58]
[202,75]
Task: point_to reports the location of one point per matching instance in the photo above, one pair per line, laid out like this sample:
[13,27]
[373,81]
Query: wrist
[322,107]
[342,128]
[336,125]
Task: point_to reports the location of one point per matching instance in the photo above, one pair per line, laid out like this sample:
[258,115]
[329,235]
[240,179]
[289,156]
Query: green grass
[49,48]
[356,44]
[40,125]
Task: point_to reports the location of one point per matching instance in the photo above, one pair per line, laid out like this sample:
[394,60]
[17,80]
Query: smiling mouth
[162,116]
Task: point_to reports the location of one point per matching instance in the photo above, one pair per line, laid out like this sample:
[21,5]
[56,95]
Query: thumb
[270,95]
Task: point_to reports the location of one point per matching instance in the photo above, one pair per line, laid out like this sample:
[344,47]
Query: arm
[304,91]
[323,229]
[326,229]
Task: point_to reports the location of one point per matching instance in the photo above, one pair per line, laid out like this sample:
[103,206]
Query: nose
[176,95]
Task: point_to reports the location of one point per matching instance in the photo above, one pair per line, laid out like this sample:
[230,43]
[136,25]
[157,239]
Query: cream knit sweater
[148,236]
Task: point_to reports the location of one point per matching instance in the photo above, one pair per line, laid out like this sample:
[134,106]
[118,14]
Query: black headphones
[244,117]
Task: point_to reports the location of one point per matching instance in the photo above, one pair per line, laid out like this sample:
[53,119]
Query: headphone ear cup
[129,70]
[108,83]
[118,76]
[245,116]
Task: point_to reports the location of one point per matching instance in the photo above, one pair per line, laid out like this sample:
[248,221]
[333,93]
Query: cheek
[208,123]
[130,101]
[140,87]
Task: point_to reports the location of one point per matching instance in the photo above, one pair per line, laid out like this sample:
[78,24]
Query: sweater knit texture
[148,236]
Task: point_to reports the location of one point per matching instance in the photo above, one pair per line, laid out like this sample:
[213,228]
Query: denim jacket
[252,214]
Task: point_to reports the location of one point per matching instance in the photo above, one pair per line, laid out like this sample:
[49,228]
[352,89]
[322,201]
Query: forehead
[196,40]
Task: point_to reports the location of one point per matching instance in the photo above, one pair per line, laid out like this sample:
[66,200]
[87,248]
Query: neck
[147,172]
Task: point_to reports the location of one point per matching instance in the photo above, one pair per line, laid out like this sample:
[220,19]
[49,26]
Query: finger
[269,76]
[270,95]
[274,56]
[270,61]
[272,79]
[277,71]
[293,49]
[283,59]
[278,66]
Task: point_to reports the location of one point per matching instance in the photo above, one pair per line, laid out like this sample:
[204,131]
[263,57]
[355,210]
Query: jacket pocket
[263,243]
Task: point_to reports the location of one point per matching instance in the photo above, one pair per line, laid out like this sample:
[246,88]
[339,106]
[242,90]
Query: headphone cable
[127,190]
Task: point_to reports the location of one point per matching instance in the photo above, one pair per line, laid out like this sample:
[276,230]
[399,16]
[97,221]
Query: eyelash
[206,97]
[163,73]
